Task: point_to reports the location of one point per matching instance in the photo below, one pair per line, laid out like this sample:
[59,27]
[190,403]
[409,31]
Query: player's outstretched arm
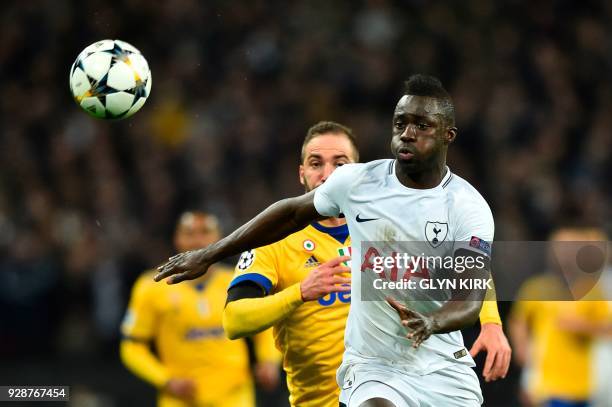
[276,222]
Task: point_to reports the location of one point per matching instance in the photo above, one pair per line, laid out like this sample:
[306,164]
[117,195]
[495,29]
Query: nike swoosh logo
[365,219]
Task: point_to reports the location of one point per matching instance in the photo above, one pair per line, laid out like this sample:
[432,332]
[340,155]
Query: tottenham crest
[436,232]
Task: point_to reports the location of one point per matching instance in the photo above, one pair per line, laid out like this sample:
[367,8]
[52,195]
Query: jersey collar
[340,233]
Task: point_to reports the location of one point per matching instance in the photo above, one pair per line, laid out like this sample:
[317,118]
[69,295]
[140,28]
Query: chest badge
[435,233]
[308,245]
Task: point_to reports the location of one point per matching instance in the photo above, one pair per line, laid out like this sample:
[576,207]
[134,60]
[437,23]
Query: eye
[422,126]
[399,125]
[315,164]
[340,163]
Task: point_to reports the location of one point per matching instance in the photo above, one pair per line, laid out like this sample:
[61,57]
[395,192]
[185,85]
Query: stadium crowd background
[86,205]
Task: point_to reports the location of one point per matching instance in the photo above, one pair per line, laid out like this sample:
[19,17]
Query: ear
[451,134]
[301,174]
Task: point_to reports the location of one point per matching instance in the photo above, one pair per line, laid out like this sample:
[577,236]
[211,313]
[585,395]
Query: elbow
[231,323]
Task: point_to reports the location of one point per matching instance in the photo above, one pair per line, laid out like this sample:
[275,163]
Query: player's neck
[424,179]
[332,222]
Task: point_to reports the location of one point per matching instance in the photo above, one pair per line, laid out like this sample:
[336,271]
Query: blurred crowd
[87,205]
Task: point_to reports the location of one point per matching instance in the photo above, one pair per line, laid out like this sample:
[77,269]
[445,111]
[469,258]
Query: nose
[409,133]
[327,170]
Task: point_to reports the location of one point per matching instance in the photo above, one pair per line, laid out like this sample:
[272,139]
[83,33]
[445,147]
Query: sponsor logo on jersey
[195,334]
[331,298]
[312,262]
[246,259]
[308,245]
[480,244]
[361,220]
[435,232]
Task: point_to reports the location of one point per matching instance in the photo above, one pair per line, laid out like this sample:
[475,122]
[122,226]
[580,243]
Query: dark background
[87,205]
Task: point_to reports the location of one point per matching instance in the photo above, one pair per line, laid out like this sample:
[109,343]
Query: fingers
[344,288]
[341,280]
[336,261]
[396,305]
[181,277]
[418,336]
[500,365]
[476,348]
[165,270]
[487,372]
[506,363]
[340,270]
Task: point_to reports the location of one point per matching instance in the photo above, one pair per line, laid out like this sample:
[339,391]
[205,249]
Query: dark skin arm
[273,224]
[461,311]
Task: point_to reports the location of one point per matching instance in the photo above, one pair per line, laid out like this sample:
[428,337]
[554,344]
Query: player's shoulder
[382,166]
[357,169]
[462,195]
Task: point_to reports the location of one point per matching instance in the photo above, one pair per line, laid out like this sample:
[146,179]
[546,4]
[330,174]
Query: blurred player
[418,359]
[281,285]
[553,340]
[197,365]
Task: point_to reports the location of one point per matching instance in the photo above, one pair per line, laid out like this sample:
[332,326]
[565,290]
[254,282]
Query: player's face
[322,155]
[196,231]
[419,132]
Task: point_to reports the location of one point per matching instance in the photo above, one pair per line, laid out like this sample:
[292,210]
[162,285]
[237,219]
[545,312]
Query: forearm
[489,314]
[139,359]
[248,316]
[273,224]
[455,315]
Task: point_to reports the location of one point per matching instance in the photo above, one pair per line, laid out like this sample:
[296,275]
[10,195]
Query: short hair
[430,86]
[329,127]
[189,214]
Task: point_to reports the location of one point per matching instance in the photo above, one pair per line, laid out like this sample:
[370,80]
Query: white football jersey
[378,208]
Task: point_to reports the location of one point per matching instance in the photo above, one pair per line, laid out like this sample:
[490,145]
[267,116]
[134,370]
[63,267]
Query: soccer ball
[110,79]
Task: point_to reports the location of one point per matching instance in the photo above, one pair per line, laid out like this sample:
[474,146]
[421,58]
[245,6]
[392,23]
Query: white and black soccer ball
[246,259]
[110,79]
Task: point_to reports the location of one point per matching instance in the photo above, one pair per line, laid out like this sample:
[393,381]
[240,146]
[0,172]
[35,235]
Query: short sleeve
[329,197]
[259,266]
[475,228]
[140,318]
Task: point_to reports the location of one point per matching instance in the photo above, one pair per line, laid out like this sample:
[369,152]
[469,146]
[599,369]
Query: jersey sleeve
[139,322]
[259,266]
[329,198]
[476,220]
[475,227]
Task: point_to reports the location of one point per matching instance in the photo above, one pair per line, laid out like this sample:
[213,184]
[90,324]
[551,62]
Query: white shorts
[456,385]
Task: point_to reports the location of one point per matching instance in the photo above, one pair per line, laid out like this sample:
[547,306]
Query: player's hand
[493,341]
[184,389]
[420,326]
[326,279]
[267,375]
[184,266]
